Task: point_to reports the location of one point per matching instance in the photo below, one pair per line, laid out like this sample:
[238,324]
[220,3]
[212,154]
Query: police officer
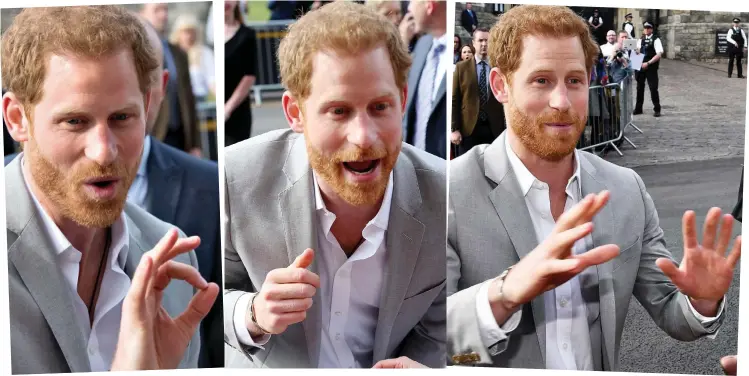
[736,38]
[651,46]
[595,21]
[628,26]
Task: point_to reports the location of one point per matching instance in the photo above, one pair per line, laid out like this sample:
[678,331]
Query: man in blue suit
[425,120]
[181,189]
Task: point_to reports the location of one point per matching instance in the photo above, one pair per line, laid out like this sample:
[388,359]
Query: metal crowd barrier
[207,125]
[609,115]
[269,35]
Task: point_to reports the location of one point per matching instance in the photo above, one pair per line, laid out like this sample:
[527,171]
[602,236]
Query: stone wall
[486,19]
[690,34]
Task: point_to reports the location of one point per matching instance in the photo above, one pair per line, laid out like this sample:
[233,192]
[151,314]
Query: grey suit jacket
[45,336]
[490,229]
[269,220]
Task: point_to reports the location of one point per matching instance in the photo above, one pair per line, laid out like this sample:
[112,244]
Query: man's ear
[15,118]
[500,86]
[293,111]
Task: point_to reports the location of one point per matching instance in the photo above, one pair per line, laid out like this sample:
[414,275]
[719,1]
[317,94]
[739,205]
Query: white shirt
[657,44]
[420,131]
[729,36]
[202,75]
[349,290]
[608,49]
[102,337]
[139,189]
[628,27]
[600,20]
[567,331]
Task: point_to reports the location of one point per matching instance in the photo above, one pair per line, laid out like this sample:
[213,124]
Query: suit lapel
[603,225]
[33,256]
[297,208]
[164,183]
[403,241]
[509,203]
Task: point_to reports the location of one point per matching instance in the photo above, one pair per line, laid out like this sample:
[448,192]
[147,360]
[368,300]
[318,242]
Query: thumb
[729,364]
[304,260]
[198,308]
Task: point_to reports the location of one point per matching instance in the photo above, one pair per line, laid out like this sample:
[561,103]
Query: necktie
[483,91]
[425,94]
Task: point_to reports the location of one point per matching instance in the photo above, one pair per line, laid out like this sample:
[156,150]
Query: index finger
[174,247]
[582,212]
[293,275]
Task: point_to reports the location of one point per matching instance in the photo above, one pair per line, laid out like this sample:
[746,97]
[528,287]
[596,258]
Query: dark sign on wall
[721,45]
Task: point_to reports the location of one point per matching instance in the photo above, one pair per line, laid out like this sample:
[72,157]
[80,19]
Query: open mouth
[103,182]
[361,167]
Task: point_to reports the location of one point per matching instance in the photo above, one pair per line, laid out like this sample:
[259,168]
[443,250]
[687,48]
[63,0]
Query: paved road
[675,188]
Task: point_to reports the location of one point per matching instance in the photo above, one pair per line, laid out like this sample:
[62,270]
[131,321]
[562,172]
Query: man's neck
[84,239]
[554,173]
[350,220]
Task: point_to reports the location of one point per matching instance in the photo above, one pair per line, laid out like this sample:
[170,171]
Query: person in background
[240,71]
[618,61]
[426,116]
[736,37]
[467,52]
[393,12]
[177,124]
[187,34]
[456,49]
[167,172]
[610,46]
[628,26]
[468,19]
[595,21]
[651,46]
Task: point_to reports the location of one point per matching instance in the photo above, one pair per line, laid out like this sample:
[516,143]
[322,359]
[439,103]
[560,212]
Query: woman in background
[187,34]
[467,52]
[457,45]
[240,72]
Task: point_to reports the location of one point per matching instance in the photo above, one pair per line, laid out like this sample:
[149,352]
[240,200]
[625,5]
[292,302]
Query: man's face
[648,30]
[469,6]
[157,15]
[611,37]
[481,43]
[420,10]
[352,123]
[736,25]
[86,137]
[548,97]
[622,38]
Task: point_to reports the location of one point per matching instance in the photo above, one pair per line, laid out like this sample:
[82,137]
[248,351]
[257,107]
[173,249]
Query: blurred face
[456,43]
[736,24]
[481,43]
[86,138]
[547,100]
[392,11]
[623,37]
[352,123]
[157,15]
[420,10]
[187,37]
[469,6]
[648,30]
[611,37]
[466,53]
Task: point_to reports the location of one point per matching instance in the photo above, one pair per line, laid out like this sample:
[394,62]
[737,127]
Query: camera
[619,54]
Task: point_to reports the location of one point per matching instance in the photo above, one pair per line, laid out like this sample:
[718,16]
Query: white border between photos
[5,369]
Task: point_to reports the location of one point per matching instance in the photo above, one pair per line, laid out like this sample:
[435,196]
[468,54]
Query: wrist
[502,306]
[251,319]
[706,307]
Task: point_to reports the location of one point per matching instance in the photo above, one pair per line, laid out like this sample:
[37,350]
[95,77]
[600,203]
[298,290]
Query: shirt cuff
[490,331]
[243,334]
[705,321]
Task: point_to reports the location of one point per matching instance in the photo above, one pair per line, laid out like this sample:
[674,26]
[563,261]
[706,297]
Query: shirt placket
[340,301]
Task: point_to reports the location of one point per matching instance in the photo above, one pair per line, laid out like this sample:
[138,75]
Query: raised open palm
[705,272]
[149,337]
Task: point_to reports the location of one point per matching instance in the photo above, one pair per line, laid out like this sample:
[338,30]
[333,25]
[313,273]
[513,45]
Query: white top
[202,77]
[600,20]
[420,124]
[102,337]
[657,44]
[628,27]
[729,36]
[567,331]
[349,290]
[608,49]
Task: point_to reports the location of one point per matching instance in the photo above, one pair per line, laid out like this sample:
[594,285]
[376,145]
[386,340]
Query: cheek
[579,101]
